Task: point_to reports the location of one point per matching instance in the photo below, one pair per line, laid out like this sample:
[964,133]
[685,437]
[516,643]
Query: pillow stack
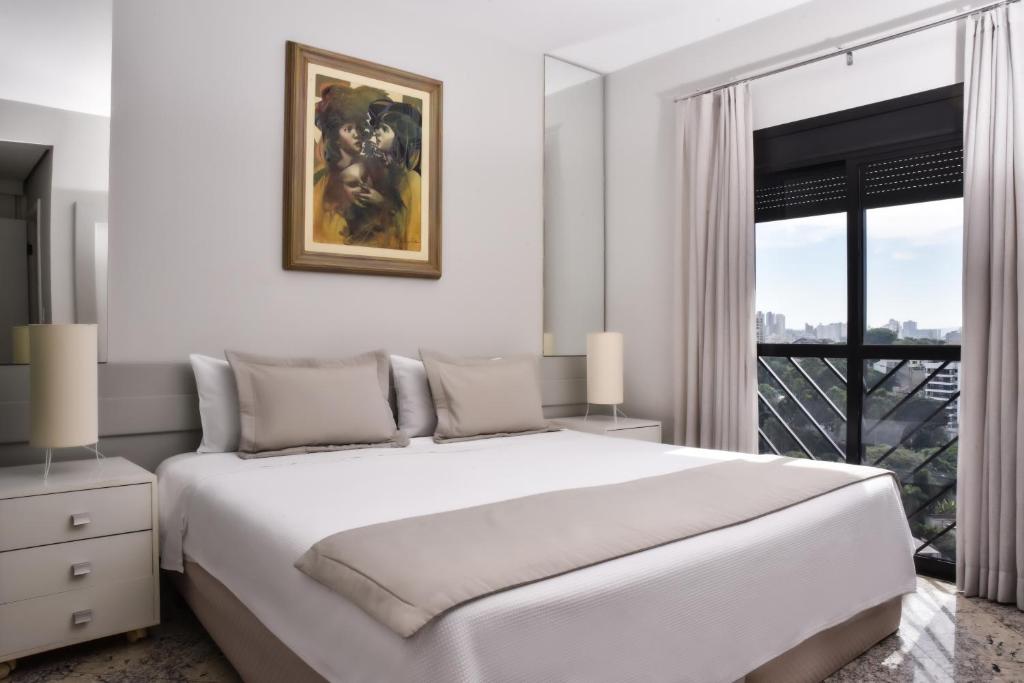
[261,406]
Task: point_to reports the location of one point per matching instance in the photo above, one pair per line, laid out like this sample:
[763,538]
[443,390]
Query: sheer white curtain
[716,377]
[990,485]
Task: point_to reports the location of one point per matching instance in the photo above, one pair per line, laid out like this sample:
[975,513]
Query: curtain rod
[849,50]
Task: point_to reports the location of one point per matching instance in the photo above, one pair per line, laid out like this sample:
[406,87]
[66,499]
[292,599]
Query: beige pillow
[302,405]
[484,397]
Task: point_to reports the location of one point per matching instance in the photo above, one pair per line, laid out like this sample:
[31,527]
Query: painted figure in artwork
[397,131]
[367,177]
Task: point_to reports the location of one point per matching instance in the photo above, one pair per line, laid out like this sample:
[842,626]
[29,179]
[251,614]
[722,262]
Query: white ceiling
[603,35]
[655,29]
[559,75]
[56,53]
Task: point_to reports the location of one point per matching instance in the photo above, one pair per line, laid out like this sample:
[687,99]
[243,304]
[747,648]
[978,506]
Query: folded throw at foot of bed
[406,572]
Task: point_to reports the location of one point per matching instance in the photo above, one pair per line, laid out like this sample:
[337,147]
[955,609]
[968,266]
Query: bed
[790,596]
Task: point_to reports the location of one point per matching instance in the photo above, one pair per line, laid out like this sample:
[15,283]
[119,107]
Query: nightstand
[78,555]
[622,428]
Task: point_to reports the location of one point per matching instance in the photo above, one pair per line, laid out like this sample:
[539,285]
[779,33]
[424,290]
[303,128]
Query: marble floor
[943,637]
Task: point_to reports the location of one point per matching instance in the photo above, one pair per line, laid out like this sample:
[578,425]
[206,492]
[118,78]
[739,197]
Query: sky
[913,266]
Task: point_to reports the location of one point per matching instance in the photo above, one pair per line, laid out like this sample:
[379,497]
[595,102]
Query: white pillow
[218,404]
[416,413]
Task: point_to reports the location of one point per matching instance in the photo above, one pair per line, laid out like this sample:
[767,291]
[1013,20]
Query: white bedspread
[709,608]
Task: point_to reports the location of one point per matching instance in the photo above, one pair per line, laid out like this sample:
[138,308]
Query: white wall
[641,135]
[79,169]
[56,53]
[196,185]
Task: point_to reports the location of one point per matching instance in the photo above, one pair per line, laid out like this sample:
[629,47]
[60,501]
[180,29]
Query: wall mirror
[574,229]
[54,167]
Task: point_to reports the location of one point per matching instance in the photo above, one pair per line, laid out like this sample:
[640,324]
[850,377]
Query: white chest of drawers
[78,555]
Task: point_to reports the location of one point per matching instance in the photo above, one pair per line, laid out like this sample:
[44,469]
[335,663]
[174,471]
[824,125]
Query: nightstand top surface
[607,422]
[70,475]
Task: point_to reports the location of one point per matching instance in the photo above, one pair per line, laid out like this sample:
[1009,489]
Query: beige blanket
[406,572]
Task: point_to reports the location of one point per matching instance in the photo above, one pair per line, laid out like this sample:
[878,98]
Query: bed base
[259,657]
[255,652]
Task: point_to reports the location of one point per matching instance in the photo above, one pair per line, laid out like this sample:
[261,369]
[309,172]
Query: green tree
[879,335]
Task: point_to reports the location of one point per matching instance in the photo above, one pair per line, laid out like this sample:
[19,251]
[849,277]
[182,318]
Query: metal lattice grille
[911,419]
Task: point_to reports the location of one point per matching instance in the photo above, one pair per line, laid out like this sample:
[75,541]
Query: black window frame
[920,123]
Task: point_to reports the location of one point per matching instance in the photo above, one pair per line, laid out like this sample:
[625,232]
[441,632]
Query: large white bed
[708,608]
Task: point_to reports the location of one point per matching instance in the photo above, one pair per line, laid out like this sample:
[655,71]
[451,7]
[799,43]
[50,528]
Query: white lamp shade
[19,344]
[63,378]
[549,344]
[604,368]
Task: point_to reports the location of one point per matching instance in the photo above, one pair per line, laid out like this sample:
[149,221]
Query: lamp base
[48,460]
[616,412]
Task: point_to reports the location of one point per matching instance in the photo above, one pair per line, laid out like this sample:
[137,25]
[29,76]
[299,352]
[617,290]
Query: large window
[859,222]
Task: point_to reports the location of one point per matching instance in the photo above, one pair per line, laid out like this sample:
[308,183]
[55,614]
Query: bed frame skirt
[259,657]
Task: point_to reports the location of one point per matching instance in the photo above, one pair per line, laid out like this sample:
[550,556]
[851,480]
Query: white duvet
[705,609]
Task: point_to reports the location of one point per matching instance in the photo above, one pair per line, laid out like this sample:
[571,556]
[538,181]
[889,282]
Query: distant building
[953,337]
[832,332]
[884,366]
[909,329]
[893,325]
[770,327]
[898,381]
[943,387]
[773,327]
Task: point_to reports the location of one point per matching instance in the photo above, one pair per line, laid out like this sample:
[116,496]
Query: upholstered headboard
[149,411]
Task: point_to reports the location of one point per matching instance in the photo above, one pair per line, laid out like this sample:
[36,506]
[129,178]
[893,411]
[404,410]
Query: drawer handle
[80,519]
[81,568]
[81,617]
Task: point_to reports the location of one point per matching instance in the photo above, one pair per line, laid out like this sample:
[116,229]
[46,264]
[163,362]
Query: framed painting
[362,171]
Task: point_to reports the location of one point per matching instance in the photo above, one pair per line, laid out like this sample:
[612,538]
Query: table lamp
[604,370]
[63,379]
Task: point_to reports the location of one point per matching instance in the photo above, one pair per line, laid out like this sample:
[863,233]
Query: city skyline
[770,329]
[913,259]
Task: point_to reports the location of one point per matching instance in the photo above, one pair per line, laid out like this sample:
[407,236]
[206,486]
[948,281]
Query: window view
[914,263]
[801,280]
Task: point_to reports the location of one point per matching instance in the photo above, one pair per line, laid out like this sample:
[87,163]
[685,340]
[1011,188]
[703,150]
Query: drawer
[60,567]
[59,517]
[103,610]
[652,433]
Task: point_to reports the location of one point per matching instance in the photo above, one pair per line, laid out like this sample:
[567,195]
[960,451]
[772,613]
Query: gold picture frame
[362,167]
